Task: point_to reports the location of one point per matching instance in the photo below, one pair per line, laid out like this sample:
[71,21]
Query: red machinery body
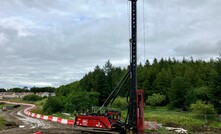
[93,121]
[114,116]
[106,121]
[140,109]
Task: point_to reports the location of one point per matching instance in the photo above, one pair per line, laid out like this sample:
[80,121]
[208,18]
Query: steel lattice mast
[133,66]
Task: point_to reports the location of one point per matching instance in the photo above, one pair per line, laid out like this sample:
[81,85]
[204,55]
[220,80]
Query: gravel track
[29,124]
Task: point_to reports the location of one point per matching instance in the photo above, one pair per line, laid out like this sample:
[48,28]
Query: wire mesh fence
[205,117]
[210,117]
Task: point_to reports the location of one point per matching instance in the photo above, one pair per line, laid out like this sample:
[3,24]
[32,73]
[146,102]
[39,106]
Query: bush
[201,107]
[155,99]
[199,93]
[81,101]
[120,102]
[53,105]
[32,97]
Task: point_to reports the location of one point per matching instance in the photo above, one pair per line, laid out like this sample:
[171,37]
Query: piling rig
[110,120]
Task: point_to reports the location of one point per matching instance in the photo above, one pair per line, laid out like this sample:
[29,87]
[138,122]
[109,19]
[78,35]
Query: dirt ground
[12,122]
[16,119]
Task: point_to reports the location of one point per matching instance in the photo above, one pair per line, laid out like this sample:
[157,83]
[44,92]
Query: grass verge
[2,123]
[186,120]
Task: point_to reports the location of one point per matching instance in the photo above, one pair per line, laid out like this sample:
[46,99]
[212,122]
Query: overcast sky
[55,42]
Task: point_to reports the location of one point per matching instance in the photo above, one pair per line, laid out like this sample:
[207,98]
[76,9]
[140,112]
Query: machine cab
[113,116]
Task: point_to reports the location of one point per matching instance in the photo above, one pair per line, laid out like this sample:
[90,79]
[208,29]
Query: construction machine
[110,119]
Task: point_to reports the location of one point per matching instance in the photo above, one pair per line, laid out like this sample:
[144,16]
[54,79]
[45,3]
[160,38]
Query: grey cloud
[54,42]
[174,24]
[199,48]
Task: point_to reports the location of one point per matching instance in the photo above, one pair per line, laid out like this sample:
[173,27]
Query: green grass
[40,102]
[2,105]
[186,120]
[38,110]
[16,100]
[64,116]
[215,125]
[39,107]
[173,118]
[2,123]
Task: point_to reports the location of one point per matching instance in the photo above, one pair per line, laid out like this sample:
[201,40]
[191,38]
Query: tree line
[179,82]
[26,89]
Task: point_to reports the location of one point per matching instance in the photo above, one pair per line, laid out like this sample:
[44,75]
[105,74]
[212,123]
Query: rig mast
[132,121]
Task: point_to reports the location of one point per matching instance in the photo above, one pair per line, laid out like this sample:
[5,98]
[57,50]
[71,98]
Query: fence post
[205,118]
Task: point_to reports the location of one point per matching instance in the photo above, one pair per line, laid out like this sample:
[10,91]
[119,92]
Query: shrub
[120,102]
[201,107]
[199,93]
[155,99]
[32,97]
[53,105]
[81,101]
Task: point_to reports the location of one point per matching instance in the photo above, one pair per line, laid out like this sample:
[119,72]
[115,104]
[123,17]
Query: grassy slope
[185,120]
[39,106]
[2,123]
[2,105]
